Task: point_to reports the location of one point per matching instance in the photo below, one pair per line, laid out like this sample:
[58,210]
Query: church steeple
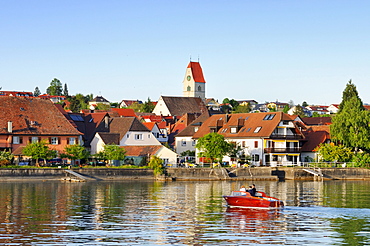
[194,84]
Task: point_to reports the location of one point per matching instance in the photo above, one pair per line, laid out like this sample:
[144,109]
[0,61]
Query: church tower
[194,84]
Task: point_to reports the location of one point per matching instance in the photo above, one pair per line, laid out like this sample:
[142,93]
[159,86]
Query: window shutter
[59,141]
[20,140]
[67,140]
[30,139]
[49,140]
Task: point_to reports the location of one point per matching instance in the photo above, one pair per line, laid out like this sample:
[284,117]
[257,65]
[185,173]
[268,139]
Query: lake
[182,213]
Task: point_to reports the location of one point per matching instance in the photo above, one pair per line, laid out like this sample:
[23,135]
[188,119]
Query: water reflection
[181,213]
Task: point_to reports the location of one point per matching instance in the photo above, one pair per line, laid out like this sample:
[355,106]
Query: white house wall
[161,108]
[131,138]
[183,144]
[97,144]
[167,155]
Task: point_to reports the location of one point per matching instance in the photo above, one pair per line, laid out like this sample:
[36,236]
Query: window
[34,139]
[255,144]
[17,140]
[255,157]
[196,129]
[243,144]
[258,128]
[199,88]
[138,136]
[54,140]
[71,141]
[194,142]
[233,130]
[188,88]
[183,142]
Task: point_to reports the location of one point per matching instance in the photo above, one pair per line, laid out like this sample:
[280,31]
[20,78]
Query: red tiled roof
[126,112]
[197,72]
[247,122]
[142,150]
[315,136]
[33,116]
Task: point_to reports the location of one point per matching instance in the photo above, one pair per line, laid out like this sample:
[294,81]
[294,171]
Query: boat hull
[253,202]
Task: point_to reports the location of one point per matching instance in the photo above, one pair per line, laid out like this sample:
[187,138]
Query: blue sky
[261,50]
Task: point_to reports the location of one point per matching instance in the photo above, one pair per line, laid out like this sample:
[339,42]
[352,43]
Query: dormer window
[233,130]
[257,129]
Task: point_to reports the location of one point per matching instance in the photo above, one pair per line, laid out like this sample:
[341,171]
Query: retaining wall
[259,173]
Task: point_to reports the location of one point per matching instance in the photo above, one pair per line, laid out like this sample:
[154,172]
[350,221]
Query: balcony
[282,150]
[287,137]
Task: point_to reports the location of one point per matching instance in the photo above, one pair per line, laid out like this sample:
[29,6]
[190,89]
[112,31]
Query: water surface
[181,213]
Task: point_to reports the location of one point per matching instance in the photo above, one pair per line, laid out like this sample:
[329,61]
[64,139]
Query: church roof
[197,72]
[182,105]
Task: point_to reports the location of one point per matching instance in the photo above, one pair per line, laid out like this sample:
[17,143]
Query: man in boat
[252,190]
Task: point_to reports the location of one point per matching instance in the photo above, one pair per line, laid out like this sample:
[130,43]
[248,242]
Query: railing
[282,150]
[282,136]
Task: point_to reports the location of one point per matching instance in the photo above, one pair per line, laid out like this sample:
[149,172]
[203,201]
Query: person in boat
[242,188]
[252,190]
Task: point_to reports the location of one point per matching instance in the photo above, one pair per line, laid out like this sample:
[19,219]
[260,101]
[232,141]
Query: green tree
[351,125]
[37,92]
[242,109]
[111,152]
[65,90]
[299,111]
[136,106]
[55,88]
[156,164]
[331,152]
[102,106]
[39,150]
[148,106]
[5,158]
[213,146]
[349,92]
[304,104]
[286,108]
[75,152]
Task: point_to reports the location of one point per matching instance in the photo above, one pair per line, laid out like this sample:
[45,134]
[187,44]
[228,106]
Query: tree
[136,106]
[37,92]
[55,88]
[304,104]
[351,125]
[5,158]
[75,152]
[102,106]
[299,111]
[39,150]
[65,90]
[213,146]
[148,106]
[242,109]
[111,152]
[286,108]
[334,153]
[349,92]
[156,164]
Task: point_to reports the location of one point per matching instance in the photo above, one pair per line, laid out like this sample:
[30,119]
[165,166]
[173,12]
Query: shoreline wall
[259,173]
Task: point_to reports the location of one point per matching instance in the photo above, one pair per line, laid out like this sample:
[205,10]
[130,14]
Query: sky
[273,50]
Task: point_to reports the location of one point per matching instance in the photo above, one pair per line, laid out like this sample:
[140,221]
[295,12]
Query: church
[194,84]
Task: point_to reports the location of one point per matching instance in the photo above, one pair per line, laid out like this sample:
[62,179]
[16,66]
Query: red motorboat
[244,199]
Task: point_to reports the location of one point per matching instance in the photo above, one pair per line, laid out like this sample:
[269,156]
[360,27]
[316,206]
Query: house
[318,109]
[184,139]
[159,133]
[178,106]
[270,139]
[16,93]
[316,121]
[128,131]
[135,155]
[314,136]
[294,109]
[333,108]
[54,99]
[28,119]
[127,103]
[277,106]
[98,100]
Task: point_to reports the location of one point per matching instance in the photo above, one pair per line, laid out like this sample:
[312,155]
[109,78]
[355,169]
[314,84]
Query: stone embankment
[258,173]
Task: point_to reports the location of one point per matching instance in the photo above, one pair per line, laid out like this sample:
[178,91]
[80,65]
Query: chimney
[10,126]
